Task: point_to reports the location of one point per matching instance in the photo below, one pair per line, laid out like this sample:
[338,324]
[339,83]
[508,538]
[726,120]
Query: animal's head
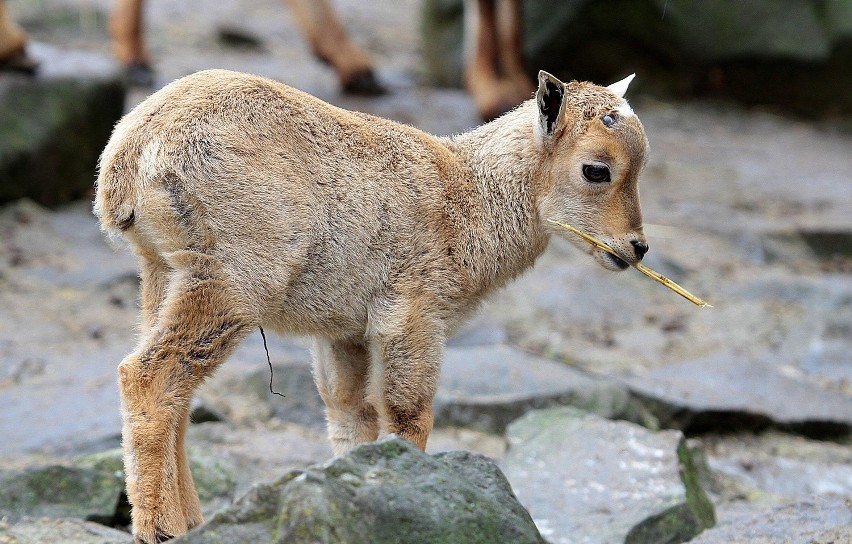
[594,148]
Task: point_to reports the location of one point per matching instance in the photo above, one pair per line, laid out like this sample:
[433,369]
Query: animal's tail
[116,189]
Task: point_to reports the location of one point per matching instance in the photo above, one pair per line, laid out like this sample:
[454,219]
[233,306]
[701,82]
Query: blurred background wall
[791,54]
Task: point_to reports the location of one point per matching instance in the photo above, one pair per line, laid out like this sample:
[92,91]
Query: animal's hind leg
[154,274]
[190,503]
[199,323]
[342,373]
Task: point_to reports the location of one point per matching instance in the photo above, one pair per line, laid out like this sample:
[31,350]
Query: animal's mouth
[617,261]
[609,261]
[603,252]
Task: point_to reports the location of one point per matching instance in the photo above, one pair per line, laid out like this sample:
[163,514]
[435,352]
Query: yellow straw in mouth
[654,275]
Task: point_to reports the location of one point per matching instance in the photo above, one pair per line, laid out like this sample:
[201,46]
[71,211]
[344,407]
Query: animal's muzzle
[640,248]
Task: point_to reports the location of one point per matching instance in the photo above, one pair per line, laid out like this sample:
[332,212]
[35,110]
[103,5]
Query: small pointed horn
[620,87]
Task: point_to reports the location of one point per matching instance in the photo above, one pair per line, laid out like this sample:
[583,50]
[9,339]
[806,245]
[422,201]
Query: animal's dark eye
[608,120]
[596,173]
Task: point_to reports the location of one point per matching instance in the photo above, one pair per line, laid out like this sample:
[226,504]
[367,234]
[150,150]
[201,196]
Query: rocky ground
[748,209]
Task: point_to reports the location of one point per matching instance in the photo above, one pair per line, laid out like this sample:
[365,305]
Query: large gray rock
[482,387]
[700,30]
[815,520]
[56,124]
[587,479]
[50,531]
[59,491]
[774,351]
[385,492]
[487,387]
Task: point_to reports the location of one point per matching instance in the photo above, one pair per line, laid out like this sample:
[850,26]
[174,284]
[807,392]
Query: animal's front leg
[411,356]
[510,45]
[330,43]
[126,25]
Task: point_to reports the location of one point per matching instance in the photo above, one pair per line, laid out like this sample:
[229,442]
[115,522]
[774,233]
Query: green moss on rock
[91,487]
[385,492]
[59,491]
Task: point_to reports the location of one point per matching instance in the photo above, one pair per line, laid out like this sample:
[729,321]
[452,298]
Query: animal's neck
[503,233]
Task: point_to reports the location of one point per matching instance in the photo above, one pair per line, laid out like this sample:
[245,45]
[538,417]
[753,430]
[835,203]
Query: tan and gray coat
[253,204]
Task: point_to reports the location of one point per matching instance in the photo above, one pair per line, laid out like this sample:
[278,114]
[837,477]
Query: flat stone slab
[487,387]
[816,520]
[61,248]
[58,384]
[243,396]
[585,479]
[716,391]
[60,422]
[258,454]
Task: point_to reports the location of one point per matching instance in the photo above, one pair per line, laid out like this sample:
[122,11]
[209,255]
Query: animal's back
[292,194]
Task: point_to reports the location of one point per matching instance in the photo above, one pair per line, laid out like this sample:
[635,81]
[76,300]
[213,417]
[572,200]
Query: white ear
[619,88]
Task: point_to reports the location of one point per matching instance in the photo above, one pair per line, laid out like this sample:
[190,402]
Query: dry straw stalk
[654,275]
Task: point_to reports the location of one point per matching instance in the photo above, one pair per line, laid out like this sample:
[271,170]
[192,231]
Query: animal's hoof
[19,62]
[158,537]
[365,83]
[139,74]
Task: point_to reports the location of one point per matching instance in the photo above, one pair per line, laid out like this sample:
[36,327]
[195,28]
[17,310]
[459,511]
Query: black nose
[641,248]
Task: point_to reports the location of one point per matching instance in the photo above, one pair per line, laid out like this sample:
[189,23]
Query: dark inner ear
[551,100]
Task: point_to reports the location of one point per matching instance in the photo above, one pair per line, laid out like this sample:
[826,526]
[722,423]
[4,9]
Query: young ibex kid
[253,204]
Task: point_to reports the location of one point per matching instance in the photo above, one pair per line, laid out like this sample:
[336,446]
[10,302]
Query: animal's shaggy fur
[250,203]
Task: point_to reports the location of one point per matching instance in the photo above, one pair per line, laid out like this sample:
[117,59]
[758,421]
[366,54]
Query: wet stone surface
[587,479]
